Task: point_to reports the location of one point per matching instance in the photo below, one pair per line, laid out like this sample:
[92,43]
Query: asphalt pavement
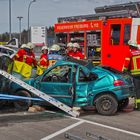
[58,126]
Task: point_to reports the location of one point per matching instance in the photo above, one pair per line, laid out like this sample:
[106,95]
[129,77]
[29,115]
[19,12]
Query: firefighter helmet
[44,48]
[76,45]
[31,45]
[132,43]
[23,46]
[55,47]
[27,47]
[70,44]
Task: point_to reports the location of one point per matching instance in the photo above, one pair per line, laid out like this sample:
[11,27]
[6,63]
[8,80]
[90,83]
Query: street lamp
[29,18]
[10,36]
[20,28]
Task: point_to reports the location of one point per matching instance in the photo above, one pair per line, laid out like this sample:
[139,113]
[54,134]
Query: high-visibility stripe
[134,63]
[43,59]
[17,55]
[127,58]
[137,101]
[135,73]
[134,58]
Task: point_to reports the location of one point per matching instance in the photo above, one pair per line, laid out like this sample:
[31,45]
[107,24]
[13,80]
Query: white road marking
[109,127]
[63,130]
[81,121]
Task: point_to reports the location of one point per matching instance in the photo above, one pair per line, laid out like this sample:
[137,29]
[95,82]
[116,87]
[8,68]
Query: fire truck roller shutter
[135,31]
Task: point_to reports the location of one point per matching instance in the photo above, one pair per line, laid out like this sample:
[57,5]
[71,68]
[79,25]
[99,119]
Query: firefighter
[132,65]
[54,54]
[43,62]
[29,57]
[21,52]
[54,49]
[76,53]
[69,49]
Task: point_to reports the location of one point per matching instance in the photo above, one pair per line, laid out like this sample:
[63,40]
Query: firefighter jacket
[132,62]
[29,58]
[77,55]
[44,62]
[70,53]
[20,55]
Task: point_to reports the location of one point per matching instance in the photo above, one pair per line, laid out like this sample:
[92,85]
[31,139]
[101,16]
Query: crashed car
[79,83]
[7,51]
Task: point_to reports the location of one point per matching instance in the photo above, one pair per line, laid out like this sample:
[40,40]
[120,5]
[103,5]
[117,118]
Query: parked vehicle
[78,83]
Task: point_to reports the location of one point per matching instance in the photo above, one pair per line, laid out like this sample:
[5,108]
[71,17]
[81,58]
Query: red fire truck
[105,33]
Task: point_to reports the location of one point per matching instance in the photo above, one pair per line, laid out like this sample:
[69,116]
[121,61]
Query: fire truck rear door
[115,37]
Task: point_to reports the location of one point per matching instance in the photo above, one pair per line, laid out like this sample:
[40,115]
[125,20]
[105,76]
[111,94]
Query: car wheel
[106,104]
[22,104]
[123,103]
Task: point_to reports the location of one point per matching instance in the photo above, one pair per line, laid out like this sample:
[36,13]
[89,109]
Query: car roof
[71,60]
[1,46]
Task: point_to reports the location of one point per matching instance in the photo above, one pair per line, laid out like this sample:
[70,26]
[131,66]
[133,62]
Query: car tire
[106,104]
[123,104]
[22,104]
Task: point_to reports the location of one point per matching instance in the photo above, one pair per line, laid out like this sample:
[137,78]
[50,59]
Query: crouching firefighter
[132,65]
[43,63]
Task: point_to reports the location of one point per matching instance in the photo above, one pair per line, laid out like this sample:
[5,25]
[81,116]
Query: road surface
[57,126]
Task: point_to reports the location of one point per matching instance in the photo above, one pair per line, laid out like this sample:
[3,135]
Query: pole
[10,36]
[20,28]
[29,19]
[137,8]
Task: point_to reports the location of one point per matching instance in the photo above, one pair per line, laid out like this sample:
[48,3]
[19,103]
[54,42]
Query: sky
[46,12]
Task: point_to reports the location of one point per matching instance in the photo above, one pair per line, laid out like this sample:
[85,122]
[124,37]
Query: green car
[78,83]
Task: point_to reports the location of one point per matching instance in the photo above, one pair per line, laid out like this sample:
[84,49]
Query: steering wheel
[55,78]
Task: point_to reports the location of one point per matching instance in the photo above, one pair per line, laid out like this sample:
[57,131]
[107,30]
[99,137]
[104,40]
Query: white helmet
[31,45]
[76,45]
[27,47]
[70,44]
[23,46]
[132,43]
[44,48]
[55,47]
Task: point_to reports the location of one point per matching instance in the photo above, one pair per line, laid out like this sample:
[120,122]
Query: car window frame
[70,81]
